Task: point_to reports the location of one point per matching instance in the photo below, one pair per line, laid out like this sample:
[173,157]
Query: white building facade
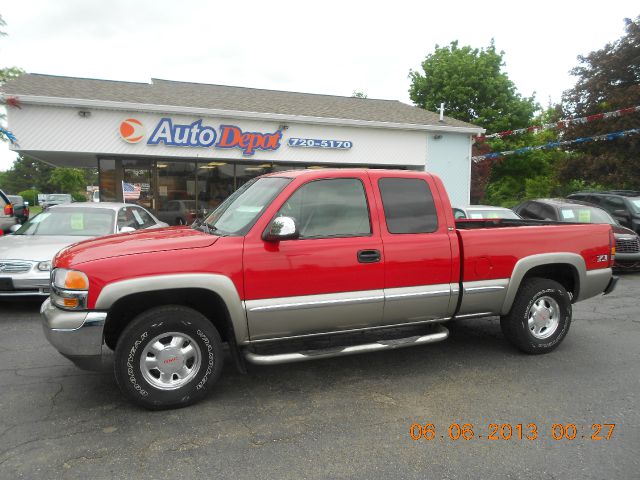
[174,141]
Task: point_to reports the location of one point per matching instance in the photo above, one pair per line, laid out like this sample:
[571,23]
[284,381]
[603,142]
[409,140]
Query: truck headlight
[69,289]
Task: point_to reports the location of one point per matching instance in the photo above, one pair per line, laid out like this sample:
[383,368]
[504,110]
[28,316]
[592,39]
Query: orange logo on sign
[131,130]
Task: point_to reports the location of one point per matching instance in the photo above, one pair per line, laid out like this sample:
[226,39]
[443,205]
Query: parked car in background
[178,212]
[7,216]
[25,256]
[576,211]
[20,208]
[56,199]
[473,212]
[623,205]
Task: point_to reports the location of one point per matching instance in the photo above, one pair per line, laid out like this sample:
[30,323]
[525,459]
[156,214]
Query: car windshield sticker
[568,214]
[584,216]
[493,215]
[77,221]
[137,216]
[475,215]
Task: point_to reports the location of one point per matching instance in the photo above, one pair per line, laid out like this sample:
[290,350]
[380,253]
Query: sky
[329,47]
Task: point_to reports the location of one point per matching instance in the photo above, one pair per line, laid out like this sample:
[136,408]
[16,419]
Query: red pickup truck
[312,264]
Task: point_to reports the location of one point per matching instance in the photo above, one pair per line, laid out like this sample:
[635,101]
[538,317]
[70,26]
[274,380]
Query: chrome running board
[440,333]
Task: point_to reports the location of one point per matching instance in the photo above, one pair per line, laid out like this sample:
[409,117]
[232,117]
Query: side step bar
[440,333]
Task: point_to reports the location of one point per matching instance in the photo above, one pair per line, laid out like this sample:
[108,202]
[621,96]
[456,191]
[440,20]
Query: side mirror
[281,228]
[126,229]
[621,213]
[14,228]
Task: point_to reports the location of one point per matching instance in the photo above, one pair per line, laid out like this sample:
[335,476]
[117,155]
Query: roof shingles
[199,95]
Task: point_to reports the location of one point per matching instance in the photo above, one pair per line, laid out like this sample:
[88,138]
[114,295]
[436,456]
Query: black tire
[538,293]
[144,331]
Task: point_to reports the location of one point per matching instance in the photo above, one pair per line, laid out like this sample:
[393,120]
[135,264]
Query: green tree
[25,173]
[359,94]
[472,85]
[527,175]
[607,79]
[68,180]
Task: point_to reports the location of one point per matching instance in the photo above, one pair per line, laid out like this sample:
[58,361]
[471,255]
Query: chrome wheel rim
[543,317]
[170,360]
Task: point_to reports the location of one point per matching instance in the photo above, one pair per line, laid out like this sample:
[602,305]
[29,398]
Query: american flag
[131,191]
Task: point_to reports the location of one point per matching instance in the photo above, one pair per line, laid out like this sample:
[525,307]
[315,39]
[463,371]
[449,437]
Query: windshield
[490,213]
[585,214]
[237,214]
[77,222]
[635,204]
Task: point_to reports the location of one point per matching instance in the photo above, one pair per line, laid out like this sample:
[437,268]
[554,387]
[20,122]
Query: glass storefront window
[215,183]
[107,181]
[137,182]
[176,193]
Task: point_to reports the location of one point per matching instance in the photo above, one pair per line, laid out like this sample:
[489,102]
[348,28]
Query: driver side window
[329,208]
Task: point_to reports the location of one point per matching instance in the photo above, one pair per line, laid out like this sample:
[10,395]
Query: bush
[30,196]
[79,197]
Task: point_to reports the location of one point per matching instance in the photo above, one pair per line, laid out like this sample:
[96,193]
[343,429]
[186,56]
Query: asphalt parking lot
[342,418]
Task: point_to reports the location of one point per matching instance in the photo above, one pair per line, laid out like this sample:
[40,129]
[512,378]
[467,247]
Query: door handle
[368,256]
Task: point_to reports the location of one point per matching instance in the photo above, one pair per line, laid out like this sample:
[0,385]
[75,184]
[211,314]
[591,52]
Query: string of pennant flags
[597,138]
[6,133]
[560,124]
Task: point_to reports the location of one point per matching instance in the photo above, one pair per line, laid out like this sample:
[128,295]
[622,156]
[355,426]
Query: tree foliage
[472,85]
[67,180]
[607,79]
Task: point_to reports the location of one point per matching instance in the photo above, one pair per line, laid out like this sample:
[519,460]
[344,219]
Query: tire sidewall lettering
[130,365]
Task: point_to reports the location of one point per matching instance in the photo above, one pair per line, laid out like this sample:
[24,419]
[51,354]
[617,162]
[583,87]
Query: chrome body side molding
[483,296]
[309,314]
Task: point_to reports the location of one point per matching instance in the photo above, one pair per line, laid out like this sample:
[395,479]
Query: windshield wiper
[206,228]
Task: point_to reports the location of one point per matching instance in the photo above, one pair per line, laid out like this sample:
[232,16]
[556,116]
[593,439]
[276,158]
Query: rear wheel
[540,316]
[168,357]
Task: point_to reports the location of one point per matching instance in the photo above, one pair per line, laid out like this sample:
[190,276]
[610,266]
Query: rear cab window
[408,205]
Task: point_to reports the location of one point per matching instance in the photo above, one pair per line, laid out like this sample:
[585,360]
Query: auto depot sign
[196,134]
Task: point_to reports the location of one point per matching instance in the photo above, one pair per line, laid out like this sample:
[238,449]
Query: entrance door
[331,278]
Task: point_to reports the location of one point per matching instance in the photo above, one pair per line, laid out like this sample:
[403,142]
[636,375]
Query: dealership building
[154,143]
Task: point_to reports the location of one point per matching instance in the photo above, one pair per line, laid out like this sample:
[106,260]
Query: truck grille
[628,245]
[10,266]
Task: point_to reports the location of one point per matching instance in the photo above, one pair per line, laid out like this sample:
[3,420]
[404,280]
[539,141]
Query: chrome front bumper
[77,335]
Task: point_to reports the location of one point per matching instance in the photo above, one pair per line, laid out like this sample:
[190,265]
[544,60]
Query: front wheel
[540,316]
[168,357]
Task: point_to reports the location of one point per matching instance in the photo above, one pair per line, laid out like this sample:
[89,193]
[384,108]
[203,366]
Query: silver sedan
[25,255]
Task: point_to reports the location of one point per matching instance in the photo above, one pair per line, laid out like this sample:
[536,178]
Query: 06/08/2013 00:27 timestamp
[596,432]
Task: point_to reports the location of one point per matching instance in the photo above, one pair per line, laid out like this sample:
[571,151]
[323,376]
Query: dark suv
[577,211]
[7,217]
[623,205]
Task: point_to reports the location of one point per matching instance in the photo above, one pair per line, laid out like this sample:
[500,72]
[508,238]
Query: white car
[25,255]
[479,212]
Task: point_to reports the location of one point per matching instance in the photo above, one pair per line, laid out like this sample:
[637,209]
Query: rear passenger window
[329,208]
[408,205]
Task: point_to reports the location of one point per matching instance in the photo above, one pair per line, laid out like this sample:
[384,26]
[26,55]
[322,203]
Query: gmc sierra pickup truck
[312,264]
